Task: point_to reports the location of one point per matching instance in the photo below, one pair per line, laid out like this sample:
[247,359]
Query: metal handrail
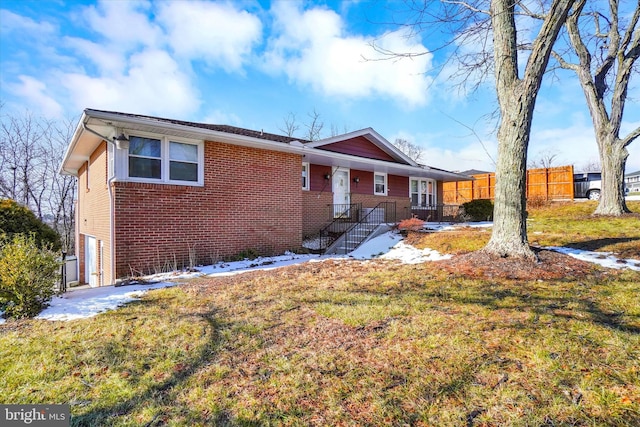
[342,214]
[435,212]
[384,212]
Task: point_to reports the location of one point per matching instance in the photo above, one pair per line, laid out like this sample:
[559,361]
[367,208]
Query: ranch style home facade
[156,193]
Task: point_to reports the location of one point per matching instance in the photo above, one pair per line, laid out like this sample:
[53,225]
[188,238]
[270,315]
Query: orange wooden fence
[545,183]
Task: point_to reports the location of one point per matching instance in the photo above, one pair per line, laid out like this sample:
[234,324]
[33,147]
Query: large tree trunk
[517,98]
[509,236]
[618,55]
[613,157]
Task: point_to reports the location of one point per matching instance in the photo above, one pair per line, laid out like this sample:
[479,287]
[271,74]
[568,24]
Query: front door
[341,196]
[90,270]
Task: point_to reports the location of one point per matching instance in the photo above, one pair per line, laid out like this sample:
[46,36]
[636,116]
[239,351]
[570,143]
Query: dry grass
[459,241]
[572,225]
[345,343]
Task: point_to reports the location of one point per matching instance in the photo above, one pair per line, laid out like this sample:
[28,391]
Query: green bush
[479,210]
[28,276]
[17,219]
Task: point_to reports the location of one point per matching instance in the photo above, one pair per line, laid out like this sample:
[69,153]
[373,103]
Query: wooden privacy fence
[544,183]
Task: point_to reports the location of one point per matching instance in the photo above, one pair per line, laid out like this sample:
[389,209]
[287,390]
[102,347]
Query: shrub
[17,219]
[479,210]
[28,275]
[411,224]
[537,201]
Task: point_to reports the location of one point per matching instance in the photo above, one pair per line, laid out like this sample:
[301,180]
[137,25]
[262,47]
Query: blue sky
[251,64]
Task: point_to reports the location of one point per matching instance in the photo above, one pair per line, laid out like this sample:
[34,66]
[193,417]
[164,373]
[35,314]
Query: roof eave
[199,133]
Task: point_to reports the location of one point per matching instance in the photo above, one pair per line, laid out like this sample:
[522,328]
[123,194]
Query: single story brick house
[155,192]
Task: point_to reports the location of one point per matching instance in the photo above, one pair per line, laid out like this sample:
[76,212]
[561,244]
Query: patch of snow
[84,303]
[411,255]
[312,243]
[604,259]
[88,302]
[377,246]
[447,226]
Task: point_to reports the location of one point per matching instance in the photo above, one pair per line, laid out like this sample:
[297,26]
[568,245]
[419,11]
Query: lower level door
[90,264]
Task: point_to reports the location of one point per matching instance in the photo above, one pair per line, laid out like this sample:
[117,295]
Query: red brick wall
[403,204]
[251,199]
[316,211]
[93,213]
[317,203]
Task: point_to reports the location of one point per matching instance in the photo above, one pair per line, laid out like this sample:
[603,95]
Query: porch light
[327,176]
[356,179]
[122,142]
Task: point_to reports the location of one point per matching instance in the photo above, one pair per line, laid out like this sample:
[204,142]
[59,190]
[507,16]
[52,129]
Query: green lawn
[355,343]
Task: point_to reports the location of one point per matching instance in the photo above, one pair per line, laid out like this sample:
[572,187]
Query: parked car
[587,184]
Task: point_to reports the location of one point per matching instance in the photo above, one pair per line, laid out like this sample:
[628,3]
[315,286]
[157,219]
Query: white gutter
[292,147]
[200,133]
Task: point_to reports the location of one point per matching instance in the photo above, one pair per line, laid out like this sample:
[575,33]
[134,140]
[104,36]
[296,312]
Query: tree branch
[631,137]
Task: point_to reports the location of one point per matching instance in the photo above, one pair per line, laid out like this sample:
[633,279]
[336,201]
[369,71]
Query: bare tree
[517,97]
[62,188]
[290,126]
[314,126]
[544,159]
[335,130]
[413,151]
[31,151]
[471,22]
[24,160]
[591,166]
[604,55]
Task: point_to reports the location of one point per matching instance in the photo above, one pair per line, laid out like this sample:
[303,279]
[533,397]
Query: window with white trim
[183,162]
[422,192]
[145,158]
[305,176]
[380,184]
[165,160]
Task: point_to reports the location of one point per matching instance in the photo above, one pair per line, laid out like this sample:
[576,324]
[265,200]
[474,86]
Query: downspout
[112,245]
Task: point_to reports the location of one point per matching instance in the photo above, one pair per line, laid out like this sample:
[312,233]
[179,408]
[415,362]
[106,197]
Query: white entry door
[90,268]
[341,195]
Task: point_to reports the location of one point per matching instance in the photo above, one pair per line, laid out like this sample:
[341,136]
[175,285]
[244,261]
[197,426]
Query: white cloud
[35,92]
[312,48]
[124,24]
[10,22]
[153,85]
[222,118]
[215,32]
[107,61]
[440,153]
